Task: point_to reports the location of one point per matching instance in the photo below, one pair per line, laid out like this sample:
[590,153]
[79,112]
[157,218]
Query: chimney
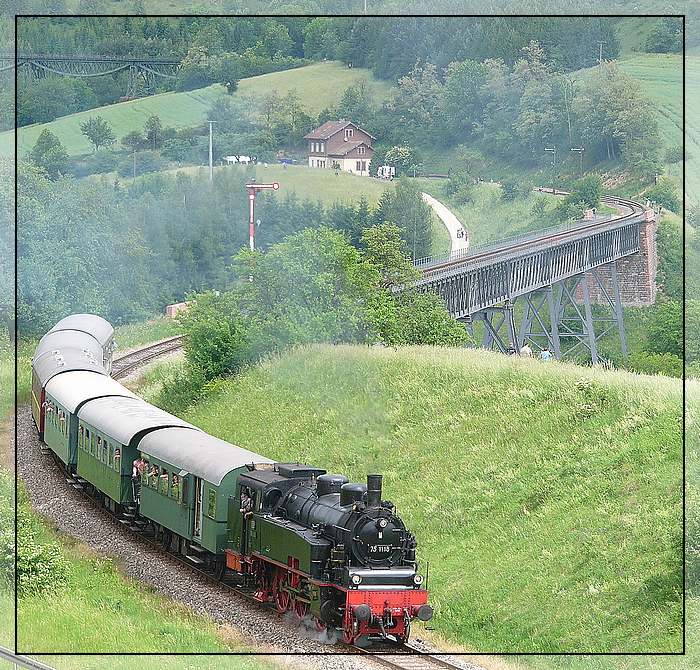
[374,490]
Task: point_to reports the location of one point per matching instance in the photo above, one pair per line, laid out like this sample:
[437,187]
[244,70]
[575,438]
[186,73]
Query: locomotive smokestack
[374,490]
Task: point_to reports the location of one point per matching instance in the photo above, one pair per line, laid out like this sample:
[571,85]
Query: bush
[146,161]
[97,163]
[664,193]
[41,566]
[650,363]
[674,154]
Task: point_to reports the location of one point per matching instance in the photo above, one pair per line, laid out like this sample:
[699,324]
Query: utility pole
[253,189]
[600,52]
[365,6]
[579,151]
[211,150]
[553,150]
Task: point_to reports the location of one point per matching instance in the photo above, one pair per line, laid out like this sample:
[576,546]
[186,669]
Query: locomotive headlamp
[382,523]
[417,579]
[356,579]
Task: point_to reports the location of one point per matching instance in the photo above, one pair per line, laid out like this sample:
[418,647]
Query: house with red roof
[341,145]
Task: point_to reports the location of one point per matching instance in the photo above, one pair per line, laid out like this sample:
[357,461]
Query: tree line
[127,251]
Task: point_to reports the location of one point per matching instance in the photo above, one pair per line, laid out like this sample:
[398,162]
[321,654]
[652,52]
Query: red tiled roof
[347,148]
[330,128]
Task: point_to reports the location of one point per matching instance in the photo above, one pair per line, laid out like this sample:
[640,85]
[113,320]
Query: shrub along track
[71,512]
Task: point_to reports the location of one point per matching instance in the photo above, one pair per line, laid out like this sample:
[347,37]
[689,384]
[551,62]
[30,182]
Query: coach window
[81,435]
[211,507]
[175,488]
[163,486]
[86,439]
[110,454]
[117,459]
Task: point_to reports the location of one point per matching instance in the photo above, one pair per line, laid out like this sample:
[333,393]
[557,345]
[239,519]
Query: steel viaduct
[141,71]
[562,288]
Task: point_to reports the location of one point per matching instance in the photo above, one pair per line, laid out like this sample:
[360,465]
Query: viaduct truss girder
[547,275]
[146,70]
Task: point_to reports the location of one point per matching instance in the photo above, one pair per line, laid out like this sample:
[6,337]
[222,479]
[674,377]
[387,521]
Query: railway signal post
[253,189]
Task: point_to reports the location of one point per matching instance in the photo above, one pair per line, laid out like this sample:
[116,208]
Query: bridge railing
[464,254]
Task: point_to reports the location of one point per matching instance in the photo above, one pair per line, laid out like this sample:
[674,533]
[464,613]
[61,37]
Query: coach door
[198,491]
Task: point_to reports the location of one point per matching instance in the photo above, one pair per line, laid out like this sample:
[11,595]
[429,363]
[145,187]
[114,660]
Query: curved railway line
[629,210]
[399,656]
[126,364]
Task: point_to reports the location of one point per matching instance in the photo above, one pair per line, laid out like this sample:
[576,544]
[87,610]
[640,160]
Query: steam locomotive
[312,543]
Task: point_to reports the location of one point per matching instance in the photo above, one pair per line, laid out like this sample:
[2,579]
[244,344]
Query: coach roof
[94,325]
[127,419]
[72,389]
[198,453]
[64,351]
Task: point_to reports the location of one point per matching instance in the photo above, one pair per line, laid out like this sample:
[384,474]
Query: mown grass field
[546,497]
[318,85]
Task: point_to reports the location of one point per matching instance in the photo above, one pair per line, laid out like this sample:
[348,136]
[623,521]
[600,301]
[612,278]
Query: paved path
[452,223]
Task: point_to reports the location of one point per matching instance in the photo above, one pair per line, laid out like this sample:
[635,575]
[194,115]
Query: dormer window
[349,133]
[361,151]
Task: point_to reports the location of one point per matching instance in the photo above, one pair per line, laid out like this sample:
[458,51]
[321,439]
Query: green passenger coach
[204,471]
[109,430]
[65,395]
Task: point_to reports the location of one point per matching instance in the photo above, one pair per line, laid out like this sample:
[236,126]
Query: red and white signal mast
[253,189]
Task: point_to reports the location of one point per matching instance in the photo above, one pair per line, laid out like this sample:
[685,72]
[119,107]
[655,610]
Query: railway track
[123,365]
[20,661]
[410,657]
[629,210]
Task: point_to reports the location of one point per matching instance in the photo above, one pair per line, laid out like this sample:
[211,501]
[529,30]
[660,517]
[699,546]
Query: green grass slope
[547,498]
[661,77]
[318,85]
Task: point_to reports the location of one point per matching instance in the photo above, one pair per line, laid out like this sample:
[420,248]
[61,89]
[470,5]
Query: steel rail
[21,660]
[406,656]
[129,362]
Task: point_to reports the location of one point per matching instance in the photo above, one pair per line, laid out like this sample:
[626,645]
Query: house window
[364,165]
[323,147]
[358,166]
[360,151]
[349,133]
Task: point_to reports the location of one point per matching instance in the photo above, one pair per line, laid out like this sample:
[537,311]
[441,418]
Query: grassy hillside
[546,497]
[661,77]
[691,661]
[318,85]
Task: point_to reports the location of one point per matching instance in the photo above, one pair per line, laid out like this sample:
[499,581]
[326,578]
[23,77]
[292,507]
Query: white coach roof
[72,389]
[198,453]
[63,351]
[126,418]
[94,325]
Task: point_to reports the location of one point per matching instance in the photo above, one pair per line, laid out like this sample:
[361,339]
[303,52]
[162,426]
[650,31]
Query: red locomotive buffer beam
[252,192]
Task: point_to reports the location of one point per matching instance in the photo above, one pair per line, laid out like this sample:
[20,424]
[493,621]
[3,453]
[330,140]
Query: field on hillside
[526,484]
[692,130]
[489,218]
[692,660]
[661,76]
[319,86]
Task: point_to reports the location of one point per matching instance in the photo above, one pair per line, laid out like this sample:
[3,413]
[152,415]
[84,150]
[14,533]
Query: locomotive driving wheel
[301,609]
[349,634]
[283,601]
[319,624]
